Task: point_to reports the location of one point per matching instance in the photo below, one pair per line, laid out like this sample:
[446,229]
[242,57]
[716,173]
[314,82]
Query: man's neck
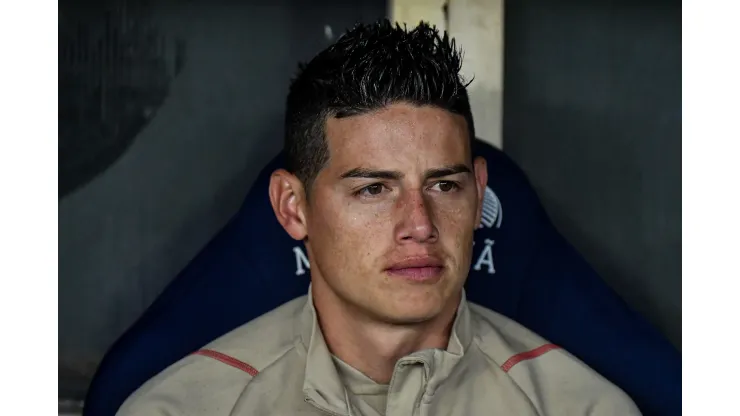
[373,347]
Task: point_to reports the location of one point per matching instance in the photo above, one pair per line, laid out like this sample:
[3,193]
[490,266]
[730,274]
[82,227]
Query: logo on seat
[492,215]
[492,211]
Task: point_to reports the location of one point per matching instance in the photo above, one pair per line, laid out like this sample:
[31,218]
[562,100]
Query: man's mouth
[417,269]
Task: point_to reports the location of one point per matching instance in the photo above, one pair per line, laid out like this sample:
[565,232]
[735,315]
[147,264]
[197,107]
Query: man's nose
[416,219]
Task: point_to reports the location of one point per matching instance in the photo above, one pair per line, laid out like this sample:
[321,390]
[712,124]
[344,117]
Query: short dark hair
[369,67]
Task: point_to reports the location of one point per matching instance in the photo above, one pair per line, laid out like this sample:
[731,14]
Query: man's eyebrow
[446,171]
[395,175]
[372,174]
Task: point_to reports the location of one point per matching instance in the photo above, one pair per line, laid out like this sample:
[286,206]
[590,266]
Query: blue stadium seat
[522,267]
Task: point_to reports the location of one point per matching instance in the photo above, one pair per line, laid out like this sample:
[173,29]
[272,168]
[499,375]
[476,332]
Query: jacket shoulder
[555,381]
[210,381]
[263,340]
[501,338]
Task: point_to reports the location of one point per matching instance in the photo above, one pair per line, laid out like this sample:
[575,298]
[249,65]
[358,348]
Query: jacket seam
[528,355]
[228,360]
[266,368]
[477,341]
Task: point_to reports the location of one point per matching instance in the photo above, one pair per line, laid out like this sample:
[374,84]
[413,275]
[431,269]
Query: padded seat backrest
[522,267]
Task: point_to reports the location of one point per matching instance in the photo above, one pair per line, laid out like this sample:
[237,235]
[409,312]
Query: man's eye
[372,190]
[446,186]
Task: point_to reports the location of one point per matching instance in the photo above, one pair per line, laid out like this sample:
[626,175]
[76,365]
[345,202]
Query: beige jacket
[279,364]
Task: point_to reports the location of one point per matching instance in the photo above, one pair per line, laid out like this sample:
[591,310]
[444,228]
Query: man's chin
[414,304]
[408,314]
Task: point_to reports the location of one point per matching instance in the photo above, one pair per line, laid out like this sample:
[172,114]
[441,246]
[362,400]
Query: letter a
[486,258]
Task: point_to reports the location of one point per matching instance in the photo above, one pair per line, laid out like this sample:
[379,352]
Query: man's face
[390,218]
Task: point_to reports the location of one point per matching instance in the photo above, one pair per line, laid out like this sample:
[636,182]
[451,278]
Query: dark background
[168,109]
[592,113]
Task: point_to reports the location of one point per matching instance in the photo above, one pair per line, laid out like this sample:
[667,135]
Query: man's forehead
[399,118]
[402,133]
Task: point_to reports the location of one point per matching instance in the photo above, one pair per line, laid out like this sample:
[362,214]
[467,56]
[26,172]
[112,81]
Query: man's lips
[417,269]
[417,262]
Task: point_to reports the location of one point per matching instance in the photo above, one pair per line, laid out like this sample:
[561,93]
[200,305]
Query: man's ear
[480,168]
[287,197]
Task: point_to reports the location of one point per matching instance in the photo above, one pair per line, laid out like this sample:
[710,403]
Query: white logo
[485,258]
[492,215]
[492,212]
[300,261]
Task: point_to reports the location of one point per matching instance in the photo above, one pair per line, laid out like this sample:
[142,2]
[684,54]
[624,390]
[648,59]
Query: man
[382,188]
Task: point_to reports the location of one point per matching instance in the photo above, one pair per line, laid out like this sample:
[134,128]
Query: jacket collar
[322,384]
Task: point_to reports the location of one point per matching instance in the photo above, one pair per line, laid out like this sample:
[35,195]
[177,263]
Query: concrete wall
[478,27]
[128,232]
[592,112]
